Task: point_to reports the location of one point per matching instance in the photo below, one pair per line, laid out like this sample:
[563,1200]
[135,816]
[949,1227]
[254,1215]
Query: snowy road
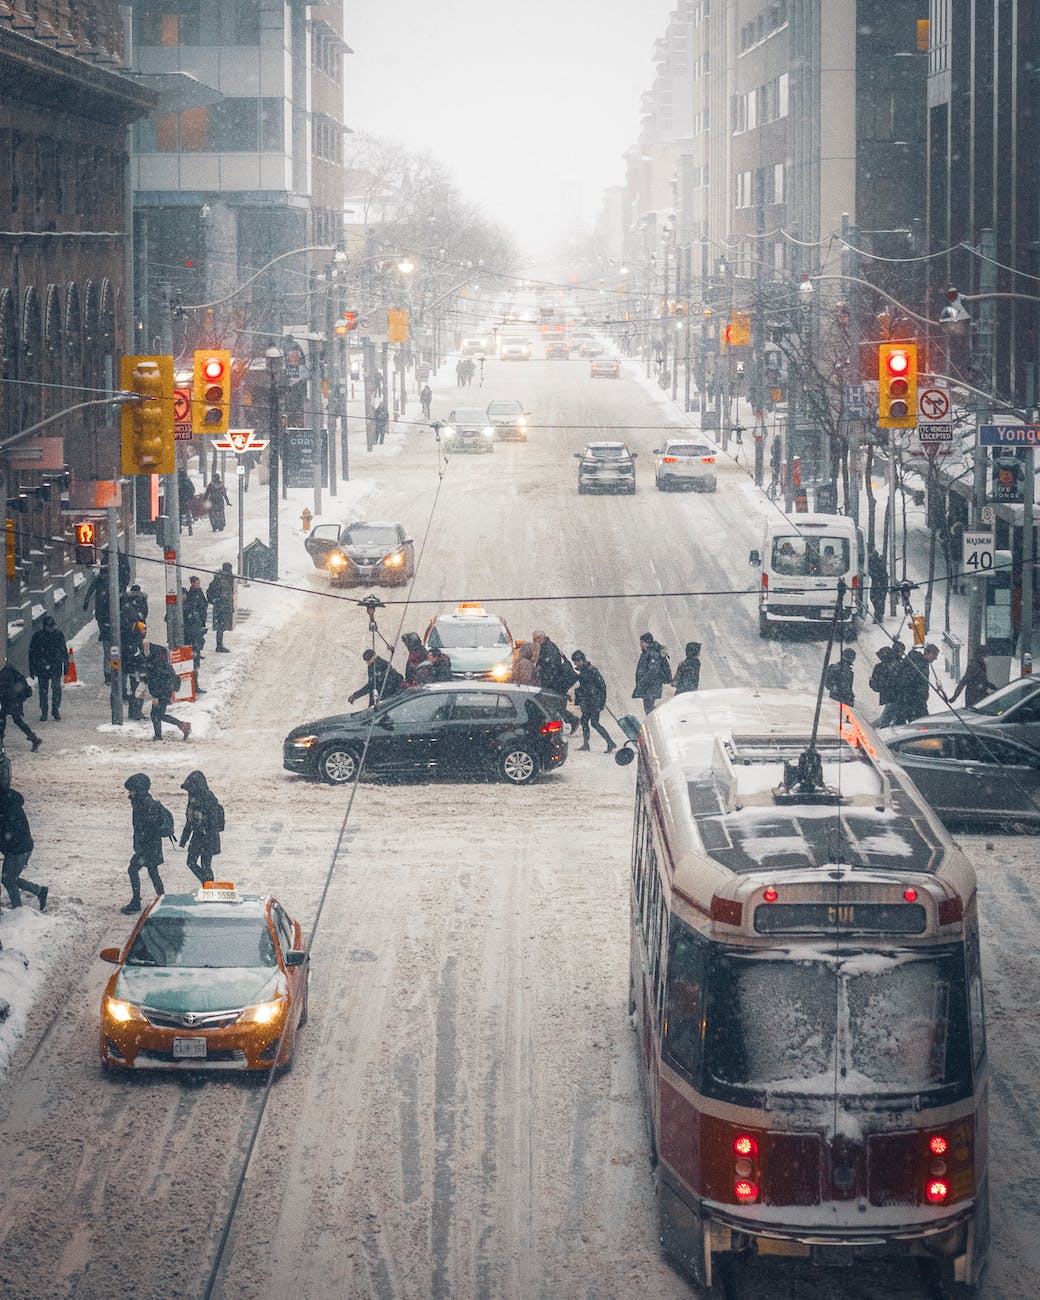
[463,1117]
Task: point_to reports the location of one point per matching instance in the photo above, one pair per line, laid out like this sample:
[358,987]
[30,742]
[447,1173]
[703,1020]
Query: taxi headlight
[489,432]
[337,560]
[122,1012]
[447,431]
[264,1013]
[502,672]
[304,742]
[521,423]
[394,561]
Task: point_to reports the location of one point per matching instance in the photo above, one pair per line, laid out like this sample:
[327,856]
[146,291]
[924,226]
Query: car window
[417,709]
[468,415]
[283,927]
[1015,693]
[467,636]
[993,750]
[687,449]
[482,704]
[203,940]
[930,746]
[504,408]
[325,533]
[371,535]
[607,453]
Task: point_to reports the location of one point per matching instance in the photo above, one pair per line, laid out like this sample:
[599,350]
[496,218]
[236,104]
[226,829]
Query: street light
[274,359]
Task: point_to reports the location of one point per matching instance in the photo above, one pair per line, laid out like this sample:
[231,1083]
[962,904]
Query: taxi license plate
[189,1049]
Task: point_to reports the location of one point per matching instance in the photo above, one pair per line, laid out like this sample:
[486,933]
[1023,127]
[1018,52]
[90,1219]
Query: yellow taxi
[480,645]
[215,980]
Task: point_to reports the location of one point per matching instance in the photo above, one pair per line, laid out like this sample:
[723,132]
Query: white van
[802,559]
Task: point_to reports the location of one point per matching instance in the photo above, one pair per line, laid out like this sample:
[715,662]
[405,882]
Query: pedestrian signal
[146,423]
[86,541]
[211,399]
[350,320]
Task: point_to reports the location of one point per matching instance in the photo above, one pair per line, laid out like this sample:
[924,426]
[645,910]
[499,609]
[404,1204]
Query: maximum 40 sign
[978,550]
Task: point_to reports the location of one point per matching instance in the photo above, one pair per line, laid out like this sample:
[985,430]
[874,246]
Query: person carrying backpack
[163,683]
[14,691]
[839,679]
[653,672]
[203,822]
[152,824]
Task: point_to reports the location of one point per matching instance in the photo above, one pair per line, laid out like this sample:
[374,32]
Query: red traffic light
[213,368]
[898,363]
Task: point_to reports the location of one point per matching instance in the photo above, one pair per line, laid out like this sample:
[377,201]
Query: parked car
[685,463]
[215,980]
[450,728]
[1012,711]
[557,348]
[515,350]
[359,553]
[606,467]
[968,774]
[508,419]
[605,368]
[468,429]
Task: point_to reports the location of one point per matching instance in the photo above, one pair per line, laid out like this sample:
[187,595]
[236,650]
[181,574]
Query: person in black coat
[48,663]
[590,695]
[878,571]
[221,595]
[416,658]
[688,674]
[148,838]
[383,680]
[196,612]
[203,822]
[653,671]
[911,685]
[135,667]
[216,498]
[436,667]
[14,691]
[839,679]
[163,683]
[135,604]
[16,844]
[555,673]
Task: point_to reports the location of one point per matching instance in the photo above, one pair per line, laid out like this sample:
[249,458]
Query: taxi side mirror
[634,455]
[657,451]
[578,456]
[754,558]
[110,954]
[296,957]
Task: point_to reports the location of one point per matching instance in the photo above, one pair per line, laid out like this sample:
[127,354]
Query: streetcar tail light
[938,1145]
[745,1145]
[937,1190]
[745,1190]
[910,895]
[770,895]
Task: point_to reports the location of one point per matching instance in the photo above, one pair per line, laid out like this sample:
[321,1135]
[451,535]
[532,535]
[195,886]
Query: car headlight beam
[489,432]
[304,742]
[394,561]
[264,1013]
[122,1012]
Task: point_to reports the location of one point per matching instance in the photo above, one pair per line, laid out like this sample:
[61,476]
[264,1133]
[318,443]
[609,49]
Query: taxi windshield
[476,635]
[211,941]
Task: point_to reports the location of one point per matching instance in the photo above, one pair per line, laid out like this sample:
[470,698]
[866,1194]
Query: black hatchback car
[447,728]
[606,467]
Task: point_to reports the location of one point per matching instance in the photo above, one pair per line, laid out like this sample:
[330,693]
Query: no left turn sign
[933,406]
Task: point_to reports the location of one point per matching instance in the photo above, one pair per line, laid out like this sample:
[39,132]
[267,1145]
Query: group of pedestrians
[464,371]
[153,823]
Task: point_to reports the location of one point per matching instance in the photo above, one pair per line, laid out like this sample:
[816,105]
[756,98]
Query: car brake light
[765,581]
[707,460]
[554,724]
[670,460]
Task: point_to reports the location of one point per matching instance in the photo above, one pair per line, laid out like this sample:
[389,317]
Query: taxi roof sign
[470,607]
[218,891]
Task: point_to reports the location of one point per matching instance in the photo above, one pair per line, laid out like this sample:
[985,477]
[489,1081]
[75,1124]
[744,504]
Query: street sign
[933,405]
[855,402]
[978,551]
[1009,435]
[239,441]
[181,407]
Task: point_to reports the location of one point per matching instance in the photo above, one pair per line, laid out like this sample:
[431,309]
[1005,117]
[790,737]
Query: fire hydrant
[305,519]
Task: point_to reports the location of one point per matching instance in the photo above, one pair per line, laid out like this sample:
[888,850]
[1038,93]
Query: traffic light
[146,425]
[350,319]
[897,385]
[86,541]
[211,398]
[737,334]
[680,315]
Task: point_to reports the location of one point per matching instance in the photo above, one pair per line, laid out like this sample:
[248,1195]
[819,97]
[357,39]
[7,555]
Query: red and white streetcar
[807,992]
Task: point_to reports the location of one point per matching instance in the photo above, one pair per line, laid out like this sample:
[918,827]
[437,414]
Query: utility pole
[980,462]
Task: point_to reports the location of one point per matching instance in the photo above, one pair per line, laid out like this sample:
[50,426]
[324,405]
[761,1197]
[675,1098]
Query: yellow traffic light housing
[737,334]
[897,385]
[146,425]
[211,395]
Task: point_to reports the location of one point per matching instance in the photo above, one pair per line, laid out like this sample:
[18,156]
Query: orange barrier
[70,673]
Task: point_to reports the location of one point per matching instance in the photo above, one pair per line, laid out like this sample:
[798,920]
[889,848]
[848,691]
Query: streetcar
[807,992]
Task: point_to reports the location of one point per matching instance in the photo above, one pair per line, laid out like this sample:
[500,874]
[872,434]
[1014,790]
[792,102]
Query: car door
[1023,721]
[319,541]
[930,760]
[1005,777]
[408,732]
[472,733]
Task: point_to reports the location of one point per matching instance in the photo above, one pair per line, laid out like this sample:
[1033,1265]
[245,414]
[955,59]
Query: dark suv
[514,732]
[606,467]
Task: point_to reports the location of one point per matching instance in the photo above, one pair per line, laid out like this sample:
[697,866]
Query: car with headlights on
[969,774]
[605,368]
[509,420]
[214,980]
[687,463]
[445,728]
[606,467]
[477,346]
[362,553]
[467,428]
[479,645]
[515,350]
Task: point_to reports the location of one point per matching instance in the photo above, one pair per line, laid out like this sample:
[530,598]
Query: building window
[778,183]
[743,190]
[783,82]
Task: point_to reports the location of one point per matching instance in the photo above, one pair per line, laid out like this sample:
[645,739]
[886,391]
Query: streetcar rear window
[856,1024]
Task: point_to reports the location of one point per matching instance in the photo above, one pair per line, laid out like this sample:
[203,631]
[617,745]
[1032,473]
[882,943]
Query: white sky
[514,98]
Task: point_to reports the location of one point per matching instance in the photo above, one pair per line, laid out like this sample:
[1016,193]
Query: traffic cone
[70,672]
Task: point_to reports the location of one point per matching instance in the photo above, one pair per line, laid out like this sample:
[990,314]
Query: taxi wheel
[339,764]
[518,766]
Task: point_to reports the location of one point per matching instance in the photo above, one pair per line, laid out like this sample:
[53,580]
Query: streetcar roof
[717,761]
